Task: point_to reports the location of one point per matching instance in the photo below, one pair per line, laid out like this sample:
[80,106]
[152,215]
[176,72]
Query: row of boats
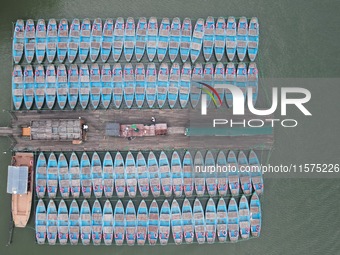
[222,175]
[133,84]
[221,36]
[132,225]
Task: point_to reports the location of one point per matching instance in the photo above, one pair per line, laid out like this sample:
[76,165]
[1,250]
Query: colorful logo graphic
[209,90]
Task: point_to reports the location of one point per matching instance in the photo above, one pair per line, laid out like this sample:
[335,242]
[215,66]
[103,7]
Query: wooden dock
[176,119]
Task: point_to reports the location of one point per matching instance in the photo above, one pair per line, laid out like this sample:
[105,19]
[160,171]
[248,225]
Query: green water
[299,39]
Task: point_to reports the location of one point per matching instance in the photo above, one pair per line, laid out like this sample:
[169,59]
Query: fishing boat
[244,217]
[209,38]
[163,39]
[130,223]
[84,86]
[188,174]
[118,39]
[117,77]
[196,90]
[30,40]
[119,223]
[242,78]
[242,38]
[131,175]
[175,38]
[176,222]
[199,176]
[85,175]
[142,175]
[73,222]
[253,38]
[174,84]
[106,44]
[62,40]
[199,222]
[73,86]
[219,79]
[152,38]
[231,39]
[97,175]
[62,222]
[256,173]
[233,174]
[130,38]
[51,86]
[222,177]
[230,74]
[63,176]
[151,84]
[253,80]
[187,222]
[39,86]
[197,40]
[52,223]
[108,175]
[142,223]
[176,174]
[208,78]
[141,34]
[17,87]
[244,175]
[107,223]
[52,176]
[140,84]
[85,221]
[73,40]
[154,175]
[28,86]
[51,40]
[119,171]
[166,178]
[211,174]
[40,175]
[233,220]
[18,40]
[85,39]
[185,44]
[97,223]
[129,85]
[40,47]
[74,173]
[255,215]
[62,86]
[107,85]
[164,223]
[210,221]
[220,38]
[184,90]
[96,39]
[222,221]
[40,222]
[95,85]
[153,226]
[162,84]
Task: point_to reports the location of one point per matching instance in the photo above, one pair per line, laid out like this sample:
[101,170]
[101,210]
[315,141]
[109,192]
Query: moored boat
[52,176]
[97,223]
[62,222]
[211,173]
[131,175]
[28,86]
[97,175]
[74,173]
[129,85]
[244,175]
[119,171]
[130,38]
[255,215]
[18,40]
[40,222]
[176,222]
[256,173]
[107,85]
[197,40]
[108,176]
[219,79]
[231,39]
[187,222]
[233,174]
[233,220]
[51,40]
[152,38]
[185,88]
[154,175]
[242,78]
[85,175]
[153,226]
[199,221]
[95,85]
[176,174]
[40,175]
[39,86]
[106,43]
[62,86]
[242,38]
[244,217]
[96,39]
[130,223]
[230,74]
[253,38]
[30,40]
[162,84]
[208,77]
[222,221]
[84,86]
[119,223]
[73,40]
[63,176]
[85,221]
[253,80]
[163,39]
[209,38]
[85,40]
[175,38]
[151,84]
[164,223]
[142,175]
[73,86]
[118,39]
[222,176]
[40,47]
[188,174]
[185,44]
[196,90]
[210,221]
[141,35]
[174,84]
[52,223]
[220,38]
[51,86]
[108,223]
[199,175]
[17,87]
[117,77]
[73,222]
[62,40]
[165,174]
[142,223]
[140,84]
